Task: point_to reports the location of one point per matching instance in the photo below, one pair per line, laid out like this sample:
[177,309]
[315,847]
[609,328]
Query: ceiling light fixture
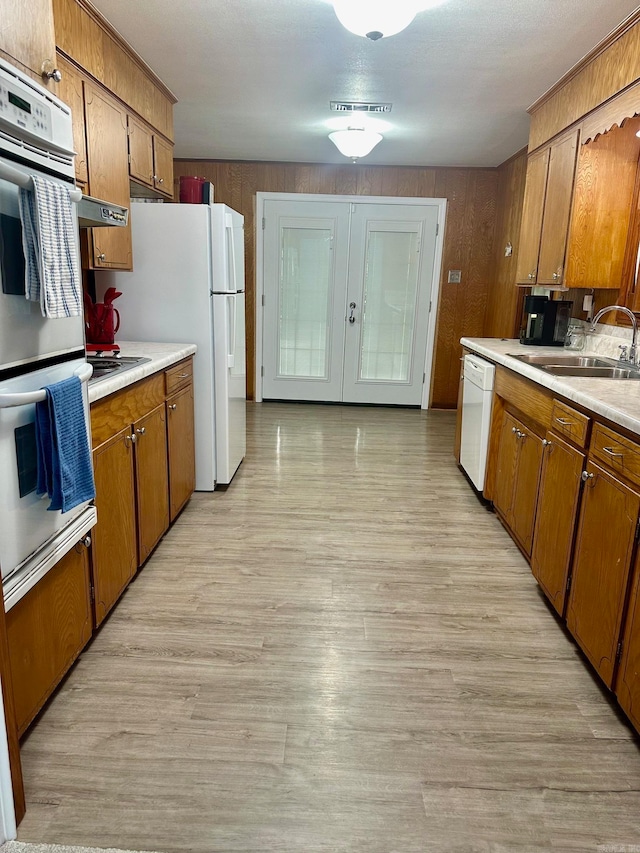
[355,142]
[376,19]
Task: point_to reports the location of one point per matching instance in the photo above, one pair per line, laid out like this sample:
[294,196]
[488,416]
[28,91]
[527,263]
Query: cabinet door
[628,680]
[152,480]
[46,631]
[601,566]
[27,35]
[108,160]
[181,446]
[531,227]
[163,166]
[140,152]
[506,467]
[113,550]
[70,90]
[557,210]
[556,515]
[525,496]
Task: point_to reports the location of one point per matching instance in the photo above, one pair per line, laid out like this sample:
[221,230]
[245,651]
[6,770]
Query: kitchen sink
[104,366]
[595,367]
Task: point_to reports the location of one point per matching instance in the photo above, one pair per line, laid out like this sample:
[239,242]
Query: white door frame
[440,203]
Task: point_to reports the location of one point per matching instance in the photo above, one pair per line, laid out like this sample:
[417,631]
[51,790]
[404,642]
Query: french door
[347,289]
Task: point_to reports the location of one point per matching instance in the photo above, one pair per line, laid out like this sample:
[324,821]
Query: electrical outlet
[454,277]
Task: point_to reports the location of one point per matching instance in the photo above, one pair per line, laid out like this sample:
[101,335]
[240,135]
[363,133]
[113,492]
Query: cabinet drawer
[179,376]
[618,453]
[569,423]
[121,409]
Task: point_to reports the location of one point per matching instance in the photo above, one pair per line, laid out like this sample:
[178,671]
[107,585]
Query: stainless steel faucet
[629,357]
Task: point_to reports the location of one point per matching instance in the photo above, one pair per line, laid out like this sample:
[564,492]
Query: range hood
[95,213]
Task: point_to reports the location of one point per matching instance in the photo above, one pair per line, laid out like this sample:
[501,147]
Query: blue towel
[64,460]
[49,240]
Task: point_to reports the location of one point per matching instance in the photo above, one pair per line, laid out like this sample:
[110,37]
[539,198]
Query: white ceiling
[254,78]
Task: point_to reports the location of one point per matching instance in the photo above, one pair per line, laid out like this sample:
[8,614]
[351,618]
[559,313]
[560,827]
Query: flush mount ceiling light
[355,142]
[376,19]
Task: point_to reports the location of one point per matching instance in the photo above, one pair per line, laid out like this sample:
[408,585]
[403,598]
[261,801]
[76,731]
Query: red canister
[191,189]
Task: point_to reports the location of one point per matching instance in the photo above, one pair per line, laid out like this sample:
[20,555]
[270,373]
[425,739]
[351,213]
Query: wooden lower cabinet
[628,680]
[181,446]
[47,630]
[558,497]
[113,549]
[152,480]
[604,549]
[518,475]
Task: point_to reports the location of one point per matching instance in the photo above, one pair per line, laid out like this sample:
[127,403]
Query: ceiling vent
[358,107]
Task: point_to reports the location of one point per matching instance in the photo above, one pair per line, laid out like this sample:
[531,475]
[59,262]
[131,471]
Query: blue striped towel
[63,458]
[50,243]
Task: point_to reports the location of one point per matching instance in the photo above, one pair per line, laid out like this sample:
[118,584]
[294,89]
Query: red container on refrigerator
[191,189]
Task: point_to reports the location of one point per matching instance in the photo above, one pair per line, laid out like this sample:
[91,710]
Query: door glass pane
[389,306]
[305,303]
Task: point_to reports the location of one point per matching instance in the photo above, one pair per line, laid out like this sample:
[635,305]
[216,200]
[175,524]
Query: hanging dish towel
[49,239]
[64,460]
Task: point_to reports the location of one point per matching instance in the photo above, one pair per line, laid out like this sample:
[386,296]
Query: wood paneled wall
[504,302]
[471,194]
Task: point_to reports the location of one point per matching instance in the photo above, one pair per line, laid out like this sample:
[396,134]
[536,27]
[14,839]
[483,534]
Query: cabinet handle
[514,429]
[586,476]
[173,407]
[158,180]
[531,276]
[183,375]
[546,443]
[564,422]
[101,257]
[52,74]
[141,431]
[86,541]
[556,275]
[132,438]
[612,452]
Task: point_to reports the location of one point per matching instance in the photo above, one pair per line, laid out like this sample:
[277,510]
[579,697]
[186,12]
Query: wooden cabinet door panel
[46,631]
[556,515]
[557,210]
[531,227]
[108,161]
[628,680]
[140,152]
[526,487]
[152,480]
[70,90]
[181,446]
[163,165]
[506,467]
[27,36]
[601,566]
[113,549]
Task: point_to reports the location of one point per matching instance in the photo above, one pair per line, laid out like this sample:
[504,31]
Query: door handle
[352,306]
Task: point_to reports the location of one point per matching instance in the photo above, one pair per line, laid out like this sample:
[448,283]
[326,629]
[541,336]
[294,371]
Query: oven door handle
[8,401]
[21,179]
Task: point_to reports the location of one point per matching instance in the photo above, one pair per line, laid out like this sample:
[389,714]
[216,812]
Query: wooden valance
[612,113]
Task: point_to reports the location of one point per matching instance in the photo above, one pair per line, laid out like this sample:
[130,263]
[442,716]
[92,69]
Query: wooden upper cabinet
[546,213]
[556,515]
[70,90]
[152,480]
[601,566]
[163,166]
[557,210]
[140,151]
[27,36]
[108,160]
[532,210]
[602,208]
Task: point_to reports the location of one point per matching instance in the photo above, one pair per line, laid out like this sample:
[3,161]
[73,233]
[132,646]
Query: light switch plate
[455,277]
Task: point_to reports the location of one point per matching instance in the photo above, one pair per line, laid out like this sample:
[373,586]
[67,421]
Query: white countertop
[618,400]
[161,355]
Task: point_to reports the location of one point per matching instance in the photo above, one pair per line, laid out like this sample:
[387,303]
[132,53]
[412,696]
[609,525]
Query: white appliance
[188,287]
[477,400]
[35,138]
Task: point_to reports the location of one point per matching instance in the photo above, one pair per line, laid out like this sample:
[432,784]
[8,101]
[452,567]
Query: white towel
[49,239]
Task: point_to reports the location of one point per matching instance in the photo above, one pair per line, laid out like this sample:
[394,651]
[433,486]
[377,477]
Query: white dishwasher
[477,398]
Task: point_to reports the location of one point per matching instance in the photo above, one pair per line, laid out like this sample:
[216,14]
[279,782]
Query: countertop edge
[161,356]
[601,396]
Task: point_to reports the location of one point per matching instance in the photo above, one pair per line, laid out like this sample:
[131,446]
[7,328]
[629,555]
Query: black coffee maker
[545,321]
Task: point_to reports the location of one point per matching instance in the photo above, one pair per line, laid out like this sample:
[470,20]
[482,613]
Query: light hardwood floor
[343,651]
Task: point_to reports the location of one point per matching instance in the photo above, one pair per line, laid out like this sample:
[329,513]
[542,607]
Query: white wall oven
[35,138]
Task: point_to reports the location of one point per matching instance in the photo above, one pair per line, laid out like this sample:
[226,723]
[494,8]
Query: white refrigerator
[188,287]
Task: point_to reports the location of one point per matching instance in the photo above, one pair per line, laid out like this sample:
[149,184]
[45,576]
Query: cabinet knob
[514,429]
[546,443]
[531,276]
[86,541]
[586,476]
[173,407]
[101,257]
[51,73]
[556,276]
[132,438]
[141,431]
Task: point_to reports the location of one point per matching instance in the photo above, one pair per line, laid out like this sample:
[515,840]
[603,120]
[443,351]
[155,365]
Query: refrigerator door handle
[232,253]
[231,316]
